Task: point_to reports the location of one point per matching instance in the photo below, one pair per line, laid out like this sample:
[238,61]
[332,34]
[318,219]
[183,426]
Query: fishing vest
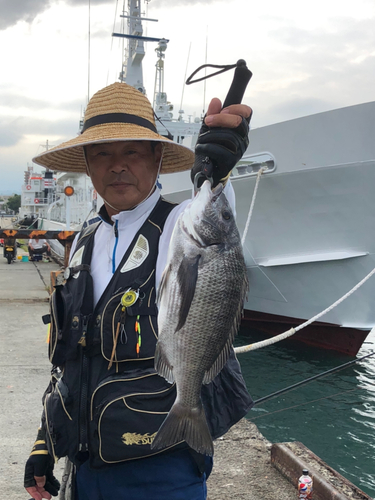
[105,400]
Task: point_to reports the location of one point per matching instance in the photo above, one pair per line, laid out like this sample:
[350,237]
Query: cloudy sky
[306,57]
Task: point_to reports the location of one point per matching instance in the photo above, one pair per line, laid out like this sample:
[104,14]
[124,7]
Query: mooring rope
[292,331]
[260,172]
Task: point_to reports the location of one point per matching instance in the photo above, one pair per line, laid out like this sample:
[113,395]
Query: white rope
[260,172]
[292,331]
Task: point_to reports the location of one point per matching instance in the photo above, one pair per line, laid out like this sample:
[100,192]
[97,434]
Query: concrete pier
[244,467]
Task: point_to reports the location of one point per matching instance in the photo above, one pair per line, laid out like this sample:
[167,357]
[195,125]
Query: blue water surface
[333,416]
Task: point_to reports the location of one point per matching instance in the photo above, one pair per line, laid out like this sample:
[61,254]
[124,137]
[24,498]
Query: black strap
[224,67]
[118,118]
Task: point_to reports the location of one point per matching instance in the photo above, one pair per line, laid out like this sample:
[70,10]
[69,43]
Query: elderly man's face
[123,173]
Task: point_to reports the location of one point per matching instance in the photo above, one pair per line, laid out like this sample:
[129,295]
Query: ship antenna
[89,54]
[205,73]
[183,85]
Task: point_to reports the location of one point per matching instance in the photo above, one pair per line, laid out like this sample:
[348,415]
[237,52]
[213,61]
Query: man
[38,246]
[105,401]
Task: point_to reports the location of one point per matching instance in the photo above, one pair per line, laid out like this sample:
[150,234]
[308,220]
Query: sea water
[333,416]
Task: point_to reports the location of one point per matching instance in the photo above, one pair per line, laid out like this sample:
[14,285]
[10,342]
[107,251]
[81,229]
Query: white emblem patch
[138,255]
[77,260]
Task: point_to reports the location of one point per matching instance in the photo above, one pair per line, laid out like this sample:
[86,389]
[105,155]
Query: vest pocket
[58,419]
[126,413]
[60,305]
[67,330]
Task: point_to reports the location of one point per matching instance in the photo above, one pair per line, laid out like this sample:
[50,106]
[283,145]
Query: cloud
[180,3]
[13,11]
[14,130]
[62,122]
[13,100]
[20,10]
[9,136]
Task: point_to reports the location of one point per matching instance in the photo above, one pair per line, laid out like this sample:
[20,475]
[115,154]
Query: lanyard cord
[223,68]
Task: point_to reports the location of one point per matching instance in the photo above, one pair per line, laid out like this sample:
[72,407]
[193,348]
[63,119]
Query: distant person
[39,246]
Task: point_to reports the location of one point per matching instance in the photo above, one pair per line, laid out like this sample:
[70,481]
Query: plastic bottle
[305,485]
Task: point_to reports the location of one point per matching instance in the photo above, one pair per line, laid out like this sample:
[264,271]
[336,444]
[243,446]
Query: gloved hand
[224,140]
[39,480]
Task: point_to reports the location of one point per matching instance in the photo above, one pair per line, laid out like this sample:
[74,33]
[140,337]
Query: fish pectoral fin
[163,283]
[222,358]
[162,365]
[187,280]
[218,364]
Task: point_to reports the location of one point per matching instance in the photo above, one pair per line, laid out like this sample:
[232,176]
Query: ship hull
[322,335]
[311,237]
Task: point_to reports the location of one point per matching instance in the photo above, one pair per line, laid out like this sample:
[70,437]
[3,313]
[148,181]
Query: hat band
[118,118]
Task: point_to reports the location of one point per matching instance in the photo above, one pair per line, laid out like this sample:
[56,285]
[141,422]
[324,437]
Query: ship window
[251,164]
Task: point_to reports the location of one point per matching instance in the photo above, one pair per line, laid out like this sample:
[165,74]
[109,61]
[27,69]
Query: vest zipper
[115,230]
[83,437]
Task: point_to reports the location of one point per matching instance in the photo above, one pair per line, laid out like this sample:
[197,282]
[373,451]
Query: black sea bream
[200,299]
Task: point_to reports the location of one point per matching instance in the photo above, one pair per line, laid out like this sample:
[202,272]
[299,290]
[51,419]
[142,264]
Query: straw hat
[118,112]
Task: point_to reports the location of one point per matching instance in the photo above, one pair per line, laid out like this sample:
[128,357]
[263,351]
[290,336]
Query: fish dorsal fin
[187,276]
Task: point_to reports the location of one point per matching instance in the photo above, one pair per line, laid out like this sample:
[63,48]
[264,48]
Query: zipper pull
[82,340]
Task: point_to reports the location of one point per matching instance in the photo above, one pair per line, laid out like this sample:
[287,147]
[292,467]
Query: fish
[200,300]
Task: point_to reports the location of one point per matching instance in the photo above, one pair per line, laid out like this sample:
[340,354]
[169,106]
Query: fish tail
[185,424]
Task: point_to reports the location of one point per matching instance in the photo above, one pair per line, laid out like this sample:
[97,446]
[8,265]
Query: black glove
[40,463]
[224,147]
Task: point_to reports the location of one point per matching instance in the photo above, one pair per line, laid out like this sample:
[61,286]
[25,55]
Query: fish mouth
[217,190]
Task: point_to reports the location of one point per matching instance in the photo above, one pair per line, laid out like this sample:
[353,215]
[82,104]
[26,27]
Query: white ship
[311,236]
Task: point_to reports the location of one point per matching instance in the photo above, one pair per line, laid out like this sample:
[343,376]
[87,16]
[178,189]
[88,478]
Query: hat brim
[69,156]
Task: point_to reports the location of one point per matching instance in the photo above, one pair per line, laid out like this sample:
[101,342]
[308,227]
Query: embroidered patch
[138,255]
[130,438]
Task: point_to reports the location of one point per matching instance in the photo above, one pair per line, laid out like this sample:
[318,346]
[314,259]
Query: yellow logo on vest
[138,256]
[130,438]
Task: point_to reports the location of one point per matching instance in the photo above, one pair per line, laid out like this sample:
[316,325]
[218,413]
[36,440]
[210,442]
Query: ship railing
[250,165]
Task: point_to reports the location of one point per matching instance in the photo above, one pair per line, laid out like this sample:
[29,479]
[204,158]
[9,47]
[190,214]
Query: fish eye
[226,214]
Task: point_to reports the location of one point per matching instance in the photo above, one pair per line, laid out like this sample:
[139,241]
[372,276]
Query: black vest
[105,398]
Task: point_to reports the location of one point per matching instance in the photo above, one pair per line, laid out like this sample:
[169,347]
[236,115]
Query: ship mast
[132,72]
[162,107]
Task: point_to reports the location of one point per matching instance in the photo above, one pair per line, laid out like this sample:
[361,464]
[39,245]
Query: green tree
[14,202]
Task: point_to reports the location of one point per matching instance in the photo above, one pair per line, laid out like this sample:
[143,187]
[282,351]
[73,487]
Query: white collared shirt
[109,250]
